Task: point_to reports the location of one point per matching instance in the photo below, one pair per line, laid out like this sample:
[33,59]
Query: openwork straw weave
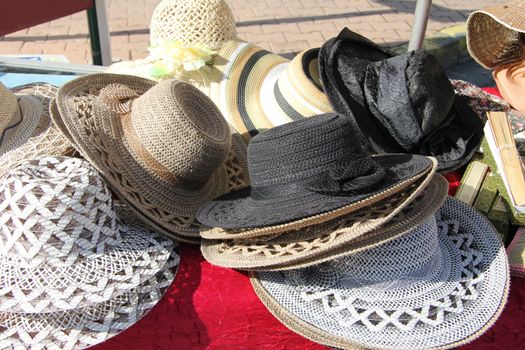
[439,286]
[496,35]
[62,244]
[346,235]
[166,153]
[205,22]
[87,326]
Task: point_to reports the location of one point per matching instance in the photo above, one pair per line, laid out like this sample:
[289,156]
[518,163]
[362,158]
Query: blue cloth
[11,80]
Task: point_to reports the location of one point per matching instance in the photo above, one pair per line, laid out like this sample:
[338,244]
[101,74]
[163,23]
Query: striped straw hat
[163,148]
[257,90]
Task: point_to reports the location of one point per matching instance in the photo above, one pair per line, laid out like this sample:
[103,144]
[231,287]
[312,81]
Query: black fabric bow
[350,176]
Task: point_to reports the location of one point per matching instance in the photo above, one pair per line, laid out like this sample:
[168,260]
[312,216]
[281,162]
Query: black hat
[309,167]
[401,103]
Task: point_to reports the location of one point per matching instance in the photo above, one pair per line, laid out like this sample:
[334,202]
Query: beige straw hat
[496,35]
[352,233]
[75,268]
[163,148]
[439,286]
[25,125]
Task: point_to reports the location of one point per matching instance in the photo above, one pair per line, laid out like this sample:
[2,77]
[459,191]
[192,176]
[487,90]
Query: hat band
[342,178]
[151,163]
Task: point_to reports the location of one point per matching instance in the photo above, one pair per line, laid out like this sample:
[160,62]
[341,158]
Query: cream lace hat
[26,130]
[75,268]
[205,22]
[163,148]
[439,286]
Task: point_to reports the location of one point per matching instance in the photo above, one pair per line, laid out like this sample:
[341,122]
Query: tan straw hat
[75,268]
[164,148]
[438,286]
[496,35]
[24,114]
[352,233]
[45,140]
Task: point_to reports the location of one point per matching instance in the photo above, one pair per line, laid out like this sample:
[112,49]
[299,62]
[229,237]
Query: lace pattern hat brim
[87,326]
[239,215]
[442,301]
[99,137]
[493,34]
[360,230]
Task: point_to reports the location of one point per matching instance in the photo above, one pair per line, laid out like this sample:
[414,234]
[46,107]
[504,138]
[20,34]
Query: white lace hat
[439,286]
[74,266]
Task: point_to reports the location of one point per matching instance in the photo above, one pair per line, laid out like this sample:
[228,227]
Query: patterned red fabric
[209,307]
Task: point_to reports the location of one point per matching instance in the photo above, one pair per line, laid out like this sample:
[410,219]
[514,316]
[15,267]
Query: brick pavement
[282,26]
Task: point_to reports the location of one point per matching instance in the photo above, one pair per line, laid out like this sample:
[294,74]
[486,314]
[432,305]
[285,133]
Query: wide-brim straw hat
[363,229]
[26,128]
[307,168]
[496,35]
[439,286]
[163,148]
[63,244]
[76,268]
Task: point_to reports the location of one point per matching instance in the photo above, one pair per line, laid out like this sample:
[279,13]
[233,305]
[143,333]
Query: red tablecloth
[209,307]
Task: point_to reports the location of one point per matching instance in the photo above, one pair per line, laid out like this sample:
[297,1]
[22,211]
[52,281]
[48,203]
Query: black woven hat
[309,167]
[401,103]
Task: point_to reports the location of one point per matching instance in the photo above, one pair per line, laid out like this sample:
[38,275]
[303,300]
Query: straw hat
[205,22]
[24,119]
[73,266]
[164,148]
[496,35]
[346,235]
[306,168]
[439,286]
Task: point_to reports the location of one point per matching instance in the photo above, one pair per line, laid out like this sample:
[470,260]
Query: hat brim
[492,34]
[99,137]
[91,277]
[462,325]
[347,235]
[239,209]
[84,327]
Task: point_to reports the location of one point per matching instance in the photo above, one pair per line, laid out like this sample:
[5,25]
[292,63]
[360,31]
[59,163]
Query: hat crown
[205,22]
[10,112]
[182,130]
[53,207]
[300,150]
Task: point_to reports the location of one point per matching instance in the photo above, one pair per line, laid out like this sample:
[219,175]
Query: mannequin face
[511,84]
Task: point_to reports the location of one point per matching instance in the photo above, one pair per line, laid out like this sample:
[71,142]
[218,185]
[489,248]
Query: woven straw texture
[346,235]
[165,149]
[439,286]
[206,22]
[87,326]
[63,246]
[496,35]
[24,118]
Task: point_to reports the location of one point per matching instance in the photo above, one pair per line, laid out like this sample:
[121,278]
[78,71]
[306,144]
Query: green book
[471,182]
